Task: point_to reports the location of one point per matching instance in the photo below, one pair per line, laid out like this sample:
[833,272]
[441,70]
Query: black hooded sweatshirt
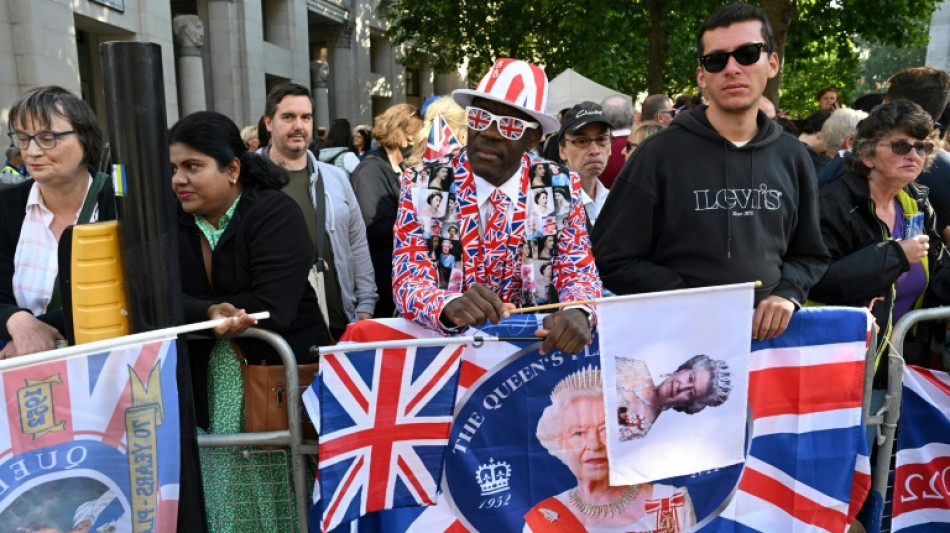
[692,209]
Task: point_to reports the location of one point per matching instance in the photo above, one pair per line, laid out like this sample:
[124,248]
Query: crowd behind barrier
[432,212]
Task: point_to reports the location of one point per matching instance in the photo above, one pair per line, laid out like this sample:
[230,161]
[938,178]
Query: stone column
[190,34]
[319,74]
[343,73]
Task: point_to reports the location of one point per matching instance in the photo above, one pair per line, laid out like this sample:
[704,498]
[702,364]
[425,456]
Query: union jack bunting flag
[384,419]
[441,140]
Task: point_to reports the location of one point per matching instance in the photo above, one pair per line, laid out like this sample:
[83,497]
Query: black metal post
[138,134]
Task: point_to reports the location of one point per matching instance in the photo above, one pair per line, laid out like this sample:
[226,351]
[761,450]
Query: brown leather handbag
[265,396]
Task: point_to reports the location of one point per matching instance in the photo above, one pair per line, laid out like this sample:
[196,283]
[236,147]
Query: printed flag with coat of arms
[806,468]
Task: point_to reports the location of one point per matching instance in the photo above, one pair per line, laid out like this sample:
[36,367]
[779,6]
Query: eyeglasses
[584,142]
[903,148]
[670,112]
[511,128]
[631,146]
[745,55]
[46,140]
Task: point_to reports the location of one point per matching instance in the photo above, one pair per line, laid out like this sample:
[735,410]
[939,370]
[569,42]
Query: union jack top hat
[518,84]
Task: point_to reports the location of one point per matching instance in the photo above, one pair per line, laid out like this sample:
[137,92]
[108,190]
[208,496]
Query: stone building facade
[222,55]
[938,50]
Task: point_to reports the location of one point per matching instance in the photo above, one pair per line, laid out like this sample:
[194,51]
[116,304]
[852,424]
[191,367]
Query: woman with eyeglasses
[61,143]
[879,226]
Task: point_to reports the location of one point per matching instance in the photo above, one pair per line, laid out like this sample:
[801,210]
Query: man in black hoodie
[722,195]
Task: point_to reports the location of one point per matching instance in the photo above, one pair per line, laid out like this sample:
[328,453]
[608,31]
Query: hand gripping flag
[922,475]
[807,468]
[441,140]
[384,420]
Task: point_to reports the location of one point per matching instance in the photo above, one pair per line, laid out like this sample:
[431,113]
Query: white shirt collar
[621,132]
[594,205]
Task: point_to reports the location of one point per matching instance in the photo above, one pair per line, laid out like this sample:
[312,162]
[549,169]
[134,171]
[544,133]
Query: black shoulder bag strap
[319,201]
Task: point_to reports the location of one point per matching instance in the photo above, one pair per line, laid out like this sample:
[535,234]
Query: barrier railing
[887,417]
[290,439]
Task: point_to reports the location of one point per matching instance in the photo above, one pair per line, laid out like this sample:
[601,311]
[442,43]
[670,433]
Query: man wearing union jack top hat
[495,205]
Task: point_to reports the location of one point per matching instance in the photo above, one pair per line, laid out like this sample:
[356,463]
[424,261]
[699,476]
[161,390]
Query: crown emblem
[493,477]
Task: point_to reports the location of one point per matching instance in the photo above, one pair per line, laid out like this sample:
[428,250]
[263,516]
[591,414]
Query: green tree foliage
[883,61]
[610,41]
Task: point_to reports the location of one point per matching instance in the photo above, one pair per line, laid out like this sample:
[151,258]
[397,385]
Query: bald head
[766,106]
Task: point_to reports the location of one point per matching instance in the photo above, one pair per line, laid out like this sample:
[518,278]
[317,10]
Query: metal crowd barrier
[887,417]
[289,440]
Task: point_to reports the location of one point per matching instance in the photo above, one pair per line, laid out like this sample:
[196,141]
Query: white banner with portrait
[675,374]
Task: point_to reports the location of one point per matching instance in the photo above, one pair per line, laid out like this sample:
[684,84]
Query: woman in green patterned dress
[243,248]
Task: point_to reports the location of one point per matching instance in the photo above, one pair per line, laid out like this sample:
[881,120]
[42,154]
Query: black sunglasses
[903,148]
[745,55]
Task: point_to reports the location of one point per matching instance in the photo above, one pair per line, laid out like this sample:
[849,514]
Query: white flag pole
[109,344]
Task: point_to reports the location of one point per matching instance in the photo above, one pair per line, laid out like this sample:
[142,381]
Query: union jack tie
[496,240]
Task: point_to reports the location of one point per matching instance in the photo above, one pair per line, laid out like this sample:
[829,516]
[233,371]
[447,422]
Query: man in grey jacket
[349,290]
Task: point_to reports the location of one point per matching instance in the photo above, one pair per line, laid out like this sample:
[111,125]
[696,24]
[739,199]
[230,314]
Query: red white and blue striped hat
[516,83]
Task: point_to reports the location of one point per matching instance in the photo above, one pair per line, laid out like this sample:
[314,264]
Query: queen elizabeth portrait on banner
[573,429]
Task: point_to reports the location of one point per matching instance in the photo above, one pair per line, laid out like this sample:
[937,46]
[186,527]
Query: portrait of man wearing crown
[698,383]
[573,429]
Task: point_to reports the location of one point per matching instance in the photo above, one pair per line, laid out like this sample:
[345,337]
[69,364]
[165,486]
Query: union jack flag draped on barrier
[441,140]
[384,421]
[91,442]
[921,480]
[806,469]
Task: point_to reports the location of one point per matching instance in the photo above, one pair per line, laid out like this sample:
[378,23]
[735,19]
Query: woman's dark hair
[367,139]
[899,115]
[340,134]
[217,136]
[263,135]
[40,104]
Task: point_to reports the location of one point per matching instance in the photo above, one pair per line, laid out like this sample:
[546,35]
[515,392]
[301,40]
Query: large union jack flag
[385,417]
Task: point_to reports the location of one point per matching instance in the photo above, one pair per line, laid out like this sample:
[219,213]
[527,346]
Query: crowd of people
[848,206]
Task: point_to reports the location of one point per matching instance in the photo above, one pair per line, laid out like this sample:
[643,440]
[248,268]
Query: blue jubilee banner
[91,443]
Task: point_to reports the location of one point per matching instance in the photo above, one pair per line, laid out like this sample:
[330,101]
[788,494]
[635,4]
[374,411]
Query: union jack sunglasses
[511,128]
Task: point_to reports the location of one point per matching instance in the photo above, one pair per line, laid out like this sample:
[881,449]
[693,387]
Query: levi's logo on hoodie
[738,199]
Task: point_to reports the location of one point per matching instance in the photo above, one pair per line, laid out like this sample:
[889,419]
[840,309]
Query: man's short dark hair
[730,14]
[651,106]
[868,102]
[812,123]
[281,91]
[927,87]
